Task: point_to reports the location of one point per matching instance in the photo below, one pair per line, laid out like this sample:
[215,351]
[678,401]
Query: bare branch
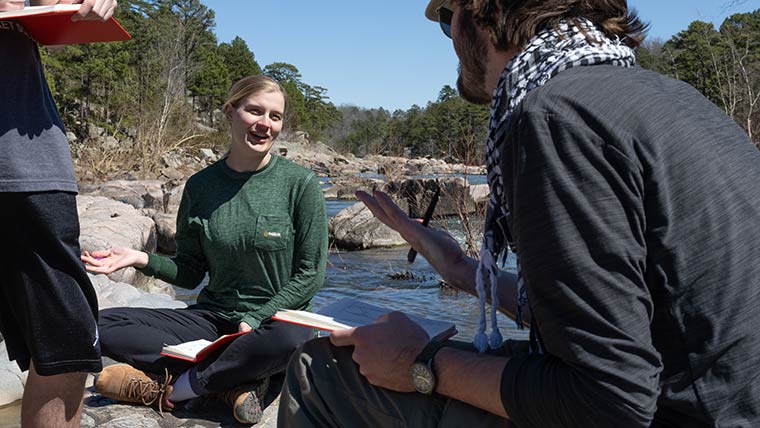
[732,4]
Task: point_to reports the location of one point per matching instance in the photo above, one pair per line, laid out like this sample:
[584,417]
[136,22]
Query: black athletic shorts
[48,308]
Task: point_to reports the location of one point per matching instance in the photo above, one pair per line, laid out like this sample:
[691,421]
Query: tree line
[722,63]
[164,88]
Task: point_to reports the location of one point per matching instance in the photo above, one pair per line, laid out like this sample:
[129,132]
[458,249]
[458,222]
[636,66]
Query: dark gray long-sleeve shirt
[34,151]
[636,214]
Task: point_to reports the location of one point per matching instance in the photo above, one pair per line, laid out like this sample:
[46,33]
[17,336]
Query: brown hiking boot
[246,400]
[122,382]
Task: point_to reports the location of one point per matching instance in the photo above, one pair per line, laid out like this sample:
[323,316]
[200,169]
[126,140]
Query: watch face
[422,378]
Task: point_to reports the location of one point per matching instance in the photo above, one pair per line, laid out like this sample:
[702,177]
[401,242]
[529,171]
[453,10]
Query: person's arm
[579,220]
[471,377]
[442,252]
[386,350]
[309,257]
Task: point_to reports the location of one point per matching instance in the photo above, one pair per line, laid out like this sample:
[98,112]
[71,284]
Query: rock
[113,294]
[106,223]
[208,156]
[166,227]
[157,286]
[131,422]
[330,192]
[94,132]
[174,198]
[72,137]
[355,228]
[345,188]
[110,142]
[172,173]
[138,193]
[172,160]
[480,193]
[204,412]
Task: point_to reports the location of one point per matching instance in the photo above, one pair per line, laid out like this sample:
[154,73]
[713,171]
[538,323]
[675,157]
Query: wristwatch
[422,372]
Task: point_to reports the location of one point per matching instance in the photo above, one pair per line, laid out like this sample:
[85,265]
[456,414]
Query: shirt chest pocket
[273,233]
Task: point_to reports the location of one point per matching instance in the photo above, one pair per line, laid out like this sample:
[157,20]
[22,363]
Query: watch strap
[428,352]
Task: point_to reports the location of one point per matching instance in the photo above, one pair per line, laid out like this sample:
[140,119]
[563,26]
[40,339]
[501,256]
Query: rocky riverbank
[140,214]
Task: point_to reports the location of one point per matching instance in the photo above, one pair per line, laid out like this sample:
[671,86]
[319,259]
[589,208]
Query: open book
[52,25]
[348,312]
[198,350]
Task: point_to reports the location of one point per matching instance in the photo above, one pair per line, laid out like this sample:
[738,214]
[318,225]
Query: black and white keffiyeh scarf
[547,54]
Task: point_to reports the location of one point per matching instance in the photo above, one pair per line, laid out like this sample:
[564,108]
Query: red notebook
[198,350]
[52,25]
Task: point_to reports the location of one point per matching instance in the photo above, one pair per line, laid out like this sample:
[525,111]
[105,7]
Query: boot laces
[148,391]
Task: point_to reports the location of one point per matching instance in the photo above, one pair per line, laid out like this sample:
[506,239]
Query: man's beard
[473,52]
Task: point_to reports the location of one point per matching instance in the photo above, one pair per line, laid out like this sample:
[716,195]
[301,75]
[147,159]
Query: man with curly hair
[632,205]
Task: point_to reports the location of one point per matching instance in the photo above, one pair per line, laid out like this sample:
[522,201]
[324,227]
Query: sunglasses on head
[444,18]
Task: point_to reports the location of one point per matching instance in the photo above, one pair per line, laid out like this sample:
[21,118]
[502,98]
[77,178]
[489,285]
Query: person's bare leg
[52,401]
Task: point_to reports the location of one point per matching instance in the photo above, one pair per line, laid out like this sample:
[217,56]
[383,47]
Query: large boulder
[355,228]
[139,194]
[106,223]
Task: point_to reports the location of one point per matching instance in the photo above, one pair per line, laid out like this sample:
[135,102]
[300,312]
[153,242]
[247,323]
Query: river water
[369,275]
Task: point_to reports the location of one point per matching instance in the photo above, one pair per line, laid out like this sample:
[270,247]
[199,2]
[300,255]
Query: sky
[386,53]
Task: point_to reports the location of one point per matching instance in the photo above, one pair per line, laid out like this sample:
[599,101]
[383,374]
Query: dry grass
[143,158]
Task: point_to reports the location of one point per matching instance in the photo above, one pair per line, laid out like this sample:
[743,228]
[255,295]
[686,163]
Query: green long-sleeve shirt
[261,236]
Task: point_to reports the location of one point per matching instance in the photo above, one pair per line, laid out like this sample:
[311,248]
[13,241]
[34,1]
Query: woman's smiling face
[256,122]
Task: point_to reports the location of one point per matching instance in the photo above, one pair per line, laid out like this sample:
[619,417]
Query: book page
[355,312]
[349,312]
[187,349]
[310,319]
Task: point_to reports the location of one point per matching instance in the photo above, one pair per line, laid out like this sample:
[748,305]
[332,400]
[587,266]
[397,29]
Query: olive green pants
[324,388]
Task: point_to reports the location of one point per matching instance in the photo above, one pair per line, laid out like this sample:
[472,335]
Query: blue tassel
[495,340]
[481,342]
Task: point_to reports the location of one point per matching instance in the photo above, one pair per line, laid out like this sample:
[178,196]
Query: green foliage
[723,64]
[692,54]
[309,108]
[154,91]
[450,127]
[239,59]
[210,82]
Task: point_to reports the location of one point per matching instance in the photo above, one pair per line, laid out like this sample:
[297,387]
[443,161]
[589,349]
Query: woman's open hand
[111,260]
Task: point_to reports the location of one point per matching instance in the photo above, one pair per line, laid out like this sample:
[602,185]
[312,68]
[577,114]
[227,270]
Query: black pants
[136,335]
[48,308]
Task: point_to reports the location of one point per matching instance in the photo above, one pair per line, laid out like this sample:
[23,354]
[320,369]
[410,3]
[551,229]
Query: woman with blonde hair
[256,224]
